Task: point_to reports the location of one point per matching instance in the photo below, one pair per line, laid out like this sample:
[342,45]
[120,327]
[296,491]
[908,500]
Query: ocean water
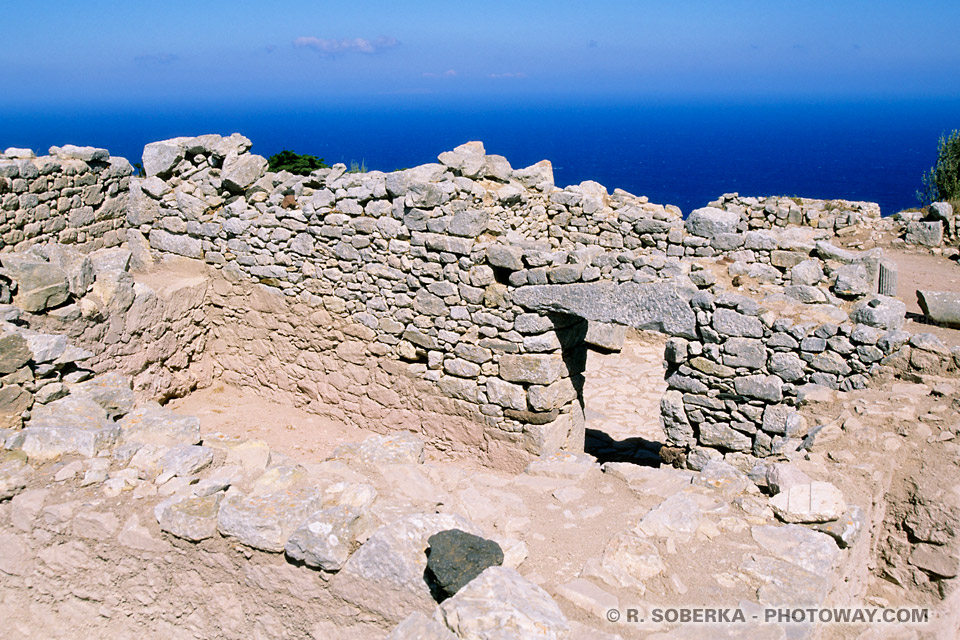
[685,154]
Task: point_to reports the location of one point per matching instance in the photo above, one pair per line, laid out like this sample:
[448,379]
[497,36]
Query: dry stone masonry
[458,299]
[449,308]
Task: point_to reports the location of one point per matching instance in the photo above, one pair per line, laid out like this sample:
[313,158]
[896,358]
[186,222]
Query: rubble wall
[75,196]
[458,299]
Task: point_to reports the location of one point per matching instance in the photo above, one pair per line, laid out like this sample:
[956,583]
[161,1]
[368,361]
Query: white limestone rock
[328,537]
[192,519]
[809,502]
[500,604]
[153,424]
[386,574]
[265,521]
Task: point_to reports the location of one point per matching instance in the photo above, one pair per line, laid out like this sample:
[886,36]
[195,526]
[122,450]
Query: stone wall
[458,299]
[75,195]
[782,211]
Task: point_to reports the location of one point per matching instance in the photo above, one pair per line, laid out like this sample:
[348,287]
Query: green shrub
[301,165]
[942,182]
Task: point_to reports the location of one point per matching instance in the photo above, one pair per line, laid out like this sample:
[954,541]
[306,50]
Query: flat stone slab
[500,603]
[809,502]
[385,575]
[158,425]
[265,521]
[663,307]
[810,550]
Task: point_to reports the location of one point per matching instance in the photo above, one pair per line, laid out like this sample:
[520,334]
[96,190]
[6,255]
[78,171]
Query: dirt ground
[303,436]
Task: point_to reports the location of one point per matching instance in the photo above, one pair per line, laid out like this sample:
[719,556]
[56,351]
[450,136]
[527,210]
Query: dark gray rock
[730,323]
[455,557]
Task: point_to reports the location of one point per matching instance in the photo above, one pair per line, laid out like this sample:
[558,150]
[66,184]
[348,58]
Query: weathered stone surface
[386,574]
[562,464]
[678,516]
[186,459]
[744,352]
[661,307]
[328,537]
[506,394]
[808,272]
[159,158]
[605,335]
[811,550]
[500,603]
[725,437]
[69,425]
[710,222]
[455,557]
[846,529]
[769,388]
[40,285]
[811,502]
[925,234]
[14,353]
[240,172]
[153,424]
[532,368]
[181,245]
[881,312]
[728,322]
[265,520]
[628,561]
[109,390]
[398,448]
[942,307]
[417,626]
[14,475]
[938,560]
[192,519]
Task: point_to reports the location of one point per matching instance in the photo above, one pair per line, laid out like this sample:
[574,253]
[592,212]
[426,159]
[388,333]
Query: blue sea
[679,153]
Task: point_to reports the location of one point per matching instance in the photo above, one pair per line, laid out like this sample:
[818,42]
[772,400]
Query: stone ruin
[456,301]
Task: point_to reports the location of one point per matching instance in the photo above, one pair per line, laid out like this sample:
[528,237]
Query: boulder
[160,158]
[240,172]
[456,557]
[941,307]
[882,312]
[265,521]
[925,234]
[153,424]
[386,575]
[40,284]
[192,519]
[709,222]
[500,603]
[327,538]
[14,353]
[399,448]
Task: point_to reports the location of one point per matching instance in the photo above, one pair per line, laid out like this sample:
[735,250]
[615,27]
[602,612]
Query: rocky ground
[130,541]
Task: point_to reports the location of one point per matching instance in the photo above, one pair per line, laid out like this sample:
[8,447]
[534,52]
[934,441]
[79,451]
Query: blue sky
[201,52]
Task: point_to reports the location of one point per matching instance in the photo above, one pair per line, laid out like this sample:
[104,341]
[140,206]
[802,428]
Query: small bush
[301,165]
[942,182]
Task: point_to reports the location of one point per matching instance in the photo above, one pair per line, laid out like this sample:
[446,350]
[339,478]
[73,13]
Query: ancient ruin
[461,318]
